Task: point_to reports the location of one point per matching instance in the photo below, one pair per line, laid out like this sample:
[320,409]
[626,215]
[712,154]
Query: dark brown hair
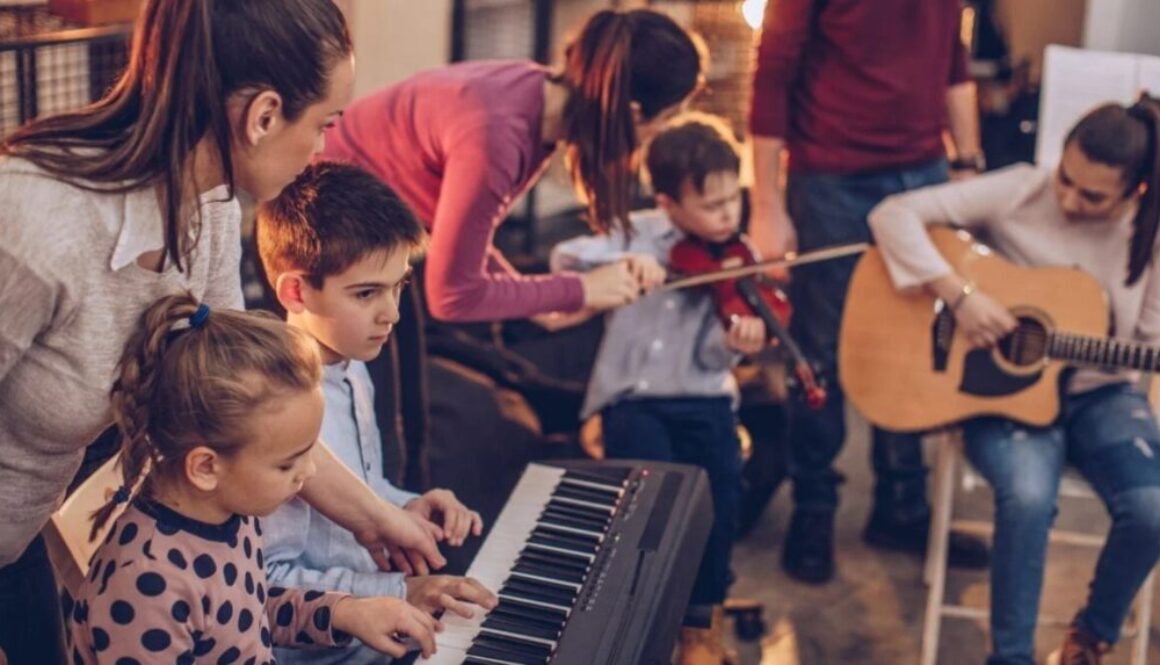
[181,386]
[1125,137]
[694,146]
[621,57]
[331,216]
[188,58]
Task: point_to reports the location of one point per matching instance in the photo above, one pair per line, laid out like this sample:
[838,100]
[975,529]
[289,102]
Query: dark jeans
[1110,436]
[830,209]
[692,430]
[31,629]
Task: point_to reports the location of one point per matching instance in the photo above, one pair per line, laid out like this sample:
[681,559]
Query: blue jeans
[701,431]
[1110,436]
[830,209]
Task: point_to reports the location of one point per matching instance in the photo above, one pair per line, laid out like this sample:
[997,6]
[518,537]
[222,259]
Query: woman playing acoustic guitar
[1097,210]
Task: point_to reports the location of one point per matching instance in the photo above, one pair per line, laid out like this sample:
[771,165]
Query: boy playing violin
[662,381]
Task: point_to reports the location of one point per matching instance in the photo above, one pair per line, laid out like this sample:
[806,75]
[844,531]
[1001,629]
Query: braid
[134,388]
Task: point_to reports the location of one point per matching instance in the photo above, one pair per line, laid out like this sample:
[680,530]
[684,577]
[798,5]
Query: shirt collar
[142,223]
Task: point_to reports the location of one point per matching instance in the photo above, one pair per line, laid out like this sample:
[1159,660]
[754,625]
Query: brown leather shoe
[1080,648]
[704,646]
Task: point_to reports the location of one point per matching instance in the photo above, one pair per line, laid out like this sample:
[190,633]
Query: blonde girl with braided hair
[219,413]
[108,208]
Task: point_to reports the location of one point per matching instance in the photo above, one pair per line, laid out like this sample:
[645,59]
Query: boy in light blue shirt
[663,381]
[336,246]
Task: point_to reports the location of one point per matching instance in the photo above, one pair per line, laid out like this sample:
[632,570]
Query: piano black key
[568,531]
[587,557]
[554,560]
[605,475]
[601,517]
[504,655]
[537,590]
[582,494]
[480,660]
[597,509]
[522,626]
[513,643]
[565,519]
[588,543]
[549,606]
[563,544]
[550,617]
[608,489]
[541,570]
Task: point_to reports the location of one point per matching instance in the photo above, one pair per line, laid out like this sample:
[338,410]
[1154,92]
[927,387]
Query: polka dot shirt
[167,589]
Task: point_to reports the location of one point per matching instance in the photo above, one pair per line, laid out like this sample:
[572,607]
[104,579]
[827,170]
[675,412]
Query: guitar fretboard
[1103,352]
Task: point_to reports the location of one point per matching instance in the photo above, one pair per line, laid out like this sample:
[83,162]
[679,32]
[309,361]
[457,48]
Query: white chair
[950,470]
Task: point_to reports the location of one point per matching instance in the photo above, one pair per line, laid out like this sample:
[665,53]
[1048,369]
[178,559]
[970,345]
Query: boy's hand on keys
[434,593]
[443,507]
[381,622]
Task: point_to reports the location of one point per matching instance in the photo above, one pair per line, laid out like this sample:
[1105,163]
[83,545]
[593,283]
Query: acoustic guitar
[906,368]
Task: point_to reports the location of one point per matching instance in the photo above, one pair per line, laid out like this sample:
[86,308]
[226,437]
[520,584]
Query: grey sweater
[71,293]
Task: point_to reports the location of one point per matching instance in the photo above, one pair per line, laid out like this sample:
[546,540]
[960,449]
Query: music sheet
[1077,80]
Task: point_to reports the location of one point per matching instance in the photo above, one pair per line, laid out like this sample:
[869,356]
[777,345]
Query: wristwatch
[976,162]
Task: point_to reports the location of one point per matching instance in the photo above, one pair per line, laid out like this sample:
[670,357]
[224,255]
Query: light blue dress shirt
[305,549]
[664,344]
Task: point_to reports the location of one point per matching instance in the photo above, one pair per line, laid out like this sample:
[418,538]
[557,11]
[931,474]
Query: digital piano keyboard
[593,562]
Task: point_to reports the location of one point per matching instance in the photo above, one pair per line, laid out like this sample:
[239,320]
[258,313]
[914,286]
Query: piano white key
[546,580]
[493,564]
[567,529]
[519,636]
[536,603]
[559,550]
[587,504]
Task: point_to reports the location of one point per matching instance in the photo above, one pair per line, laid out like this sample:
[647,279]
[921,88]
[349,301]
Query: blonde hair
[190,377]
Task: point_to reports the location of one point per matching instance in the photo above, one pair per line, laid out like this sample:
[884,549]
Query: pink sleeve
[784,32]
[464,281]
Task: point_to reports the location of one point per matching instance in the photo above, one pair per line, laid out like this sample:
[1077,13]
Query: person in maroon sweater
[859,95]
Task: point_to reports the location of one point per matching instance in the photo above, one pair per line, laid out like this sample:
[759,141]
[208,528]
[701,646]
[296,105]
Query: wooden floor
[872,612]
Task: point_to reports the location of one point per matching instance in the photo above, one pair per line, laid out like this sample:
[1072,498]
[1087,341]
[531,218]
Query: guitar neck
[1103,351]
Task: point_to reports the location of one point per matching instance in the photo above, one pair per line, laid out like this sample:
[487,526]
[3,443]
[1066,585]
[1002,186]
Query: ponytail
[131,394]
[205,373]
[1125,137]
[1144,226]
[618,59]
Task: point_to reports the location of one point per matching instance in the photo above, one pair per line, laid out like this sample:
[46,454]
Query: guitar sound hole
[1027,345]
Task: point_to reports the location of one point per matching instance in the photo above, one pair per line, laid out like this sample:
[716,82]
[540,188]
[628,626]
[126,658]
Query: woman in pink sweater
[461,143]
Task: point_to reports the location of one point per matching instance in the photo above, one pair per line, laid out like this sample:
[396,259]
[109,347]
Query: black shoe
[963,551]
[808,555]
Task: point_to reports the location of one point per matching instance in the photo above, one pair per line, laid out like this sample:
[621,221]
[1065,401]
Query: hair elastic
[122,494]
[198,318]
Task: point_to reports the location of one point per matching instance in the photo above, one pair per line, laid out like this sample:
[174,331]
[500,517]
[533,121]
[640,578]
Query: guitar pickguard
[982,377]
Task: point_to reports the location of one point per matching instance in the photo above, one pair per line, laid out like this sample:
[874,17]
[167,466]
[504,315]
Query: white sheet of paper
[1077,80]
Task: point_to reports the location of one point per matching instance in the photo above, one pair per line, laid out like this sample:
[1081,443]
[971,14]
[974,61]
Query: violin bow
[790,259]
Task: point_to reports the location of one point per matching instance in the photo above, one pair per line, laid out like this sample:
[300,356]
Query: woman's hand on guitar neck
[979,316]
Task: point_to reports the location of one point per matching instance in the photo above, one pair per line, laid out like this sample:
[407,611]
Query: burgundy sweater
[853,85]
[460,144]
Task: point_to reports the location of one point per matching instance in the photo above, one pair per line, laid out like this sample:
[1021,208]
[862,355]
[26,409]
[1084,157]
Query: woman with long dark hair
[132,198]
[1096,210]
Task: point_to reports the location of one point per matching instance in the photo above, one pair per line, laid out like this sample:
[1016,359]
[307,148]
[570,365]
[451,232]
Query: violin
[749,294]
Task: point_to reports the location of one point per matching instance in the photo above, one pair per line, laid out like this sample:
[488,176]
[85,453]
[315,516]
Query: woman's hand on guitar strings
[983,320]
